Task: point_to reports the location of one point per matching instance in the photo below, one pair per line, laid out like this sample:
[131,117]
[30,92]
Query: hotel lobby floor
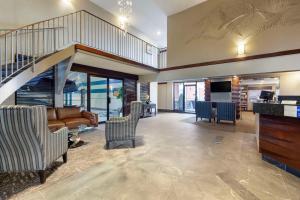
[175,158]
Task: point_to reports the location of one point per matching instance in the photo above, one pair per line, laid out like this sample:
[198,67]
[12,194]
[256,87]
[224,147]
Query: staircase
[30,50]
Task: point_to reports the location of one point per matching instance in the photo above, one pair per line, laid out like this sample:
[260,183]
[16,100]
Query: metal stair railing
[23,47]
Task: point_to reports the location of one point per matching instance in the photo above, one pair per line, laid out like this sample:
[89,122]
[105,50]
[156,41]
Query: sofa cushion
[55,125]
[65,113]
[51,114]
[75,122]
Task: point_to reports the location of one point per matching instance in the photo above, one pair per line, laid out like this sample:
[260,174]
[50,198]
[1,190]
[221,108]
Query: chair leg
[65,157]
[107,145]
[209,120]
[133,143]
[42,175]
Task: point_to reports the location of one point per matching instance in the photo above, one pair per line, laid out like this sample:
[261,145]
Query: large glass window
[38,91]
[99,99]
[75,91]
[178,97]
[200,91]
[116,98]
[189,97]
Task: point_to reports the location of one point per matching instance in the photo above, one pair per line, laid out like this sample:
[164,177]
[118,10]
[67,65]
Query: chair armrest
[93,117]
[57,145]
[115,119]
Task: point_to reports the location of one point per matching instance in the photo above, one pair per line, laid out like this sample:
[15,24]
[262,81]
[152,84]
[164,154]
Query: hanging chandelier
[125,9]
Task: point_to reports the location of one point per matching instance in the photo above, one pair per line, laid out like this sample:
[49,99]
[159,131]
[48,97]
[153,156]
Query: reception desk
[278,134]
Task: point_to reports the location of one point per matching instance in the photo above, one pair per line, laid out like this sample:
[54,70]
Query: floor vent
[219,139]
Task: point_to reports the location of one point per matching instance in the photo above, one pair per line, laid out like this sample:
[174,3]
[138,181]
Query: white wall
[265,65]
[138,91]
[165,96]
[290,83]
[10,100]
[153,92]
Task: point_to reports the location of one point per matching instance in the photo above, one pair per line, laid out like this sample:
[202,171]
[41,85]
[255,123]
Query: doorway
[189,97]
[106,97]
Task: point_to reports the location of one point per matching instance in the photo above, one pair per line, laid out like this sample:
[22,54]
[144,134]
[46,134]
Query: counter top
[275,109]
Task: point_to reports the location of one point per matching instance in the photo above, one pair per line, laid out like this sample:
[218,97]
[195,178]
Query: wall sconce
[241,48]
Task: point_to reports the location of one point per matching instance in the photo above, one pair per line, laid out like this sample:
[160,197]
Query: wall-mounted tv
[224,86]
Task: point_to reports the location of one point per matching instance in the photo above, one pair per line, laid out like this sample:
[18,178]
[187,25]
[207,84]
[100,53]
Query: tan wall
[165,96]
[290,83]
[211,30]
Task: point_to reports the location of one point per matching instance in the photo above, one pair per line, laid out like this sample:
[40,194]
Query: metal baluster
[1,60]
[12,53]
[17,47]
[23,46]
[80,27]
[5,55]
[72,28]
[76,36]
[33,49]
[54,35]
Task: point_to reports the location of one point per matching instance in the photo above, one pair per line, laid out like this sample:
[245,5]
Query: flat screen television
[224,86]
[266,95]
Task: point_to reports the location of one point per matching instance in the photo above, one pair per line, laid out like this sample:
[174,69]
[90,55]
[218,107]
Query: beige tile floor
[175,158]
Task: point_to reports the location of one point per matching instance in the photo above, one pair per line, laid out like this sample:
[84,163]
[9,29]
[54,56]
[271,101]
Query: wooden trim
[102,72]
[232,60]
[115,57]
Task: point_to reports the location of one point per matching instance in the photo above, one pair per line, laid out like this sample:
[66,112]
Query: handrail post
[33,48]
[80,27]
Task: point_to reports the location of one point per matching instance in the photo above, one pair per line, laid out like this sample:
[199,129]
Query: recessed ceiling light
[158,33]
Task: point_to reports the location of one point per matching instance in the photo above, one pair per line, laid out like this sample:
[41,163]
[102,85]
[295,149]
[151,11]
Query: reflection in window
[75,90]
[178,96]
[200,91]
[38,91]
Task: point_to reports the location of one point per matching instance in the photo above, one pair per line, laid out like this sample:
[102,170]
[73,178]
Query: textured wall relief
[244,18]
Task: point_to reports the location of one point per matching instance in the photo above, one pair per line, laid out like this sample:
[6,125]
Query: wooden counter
[279,137]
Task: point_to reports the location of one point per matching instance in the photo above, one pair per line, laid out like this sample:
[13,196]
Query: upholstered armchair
[226,111]
[26,143]
[123,128]
[204,110]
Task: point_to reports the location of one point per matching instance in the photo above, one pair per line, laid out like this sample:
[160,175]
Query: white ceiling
[150,16]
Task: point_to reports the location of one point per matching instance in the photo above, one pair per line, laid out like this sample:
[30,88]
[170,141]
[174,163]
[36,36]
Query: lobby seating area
[150,100]
[70,118]
[216,110]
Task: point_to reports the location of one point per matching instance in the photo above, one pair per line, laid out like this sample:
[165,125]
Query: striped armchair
[26,143]
[123,128]
[226,111]
[204,110]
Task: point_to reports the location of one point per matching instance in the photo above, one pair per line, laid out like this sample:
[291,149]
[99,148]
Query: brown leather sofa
[70,117]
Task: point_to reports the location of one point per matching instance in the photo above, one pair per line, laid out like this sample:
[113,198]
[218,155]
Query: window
[38,91]
[75,91]
[200,91]
[178,96]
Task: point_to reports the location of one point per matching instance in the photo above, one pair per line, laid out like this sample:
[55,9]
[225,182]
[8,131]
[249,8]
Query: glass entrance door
[189,98]
[115,98]
[106,97]
[98,97]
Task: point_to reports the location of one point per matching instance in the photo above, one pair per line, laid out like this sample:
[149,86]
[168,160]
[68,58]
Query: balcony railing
[24,46]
